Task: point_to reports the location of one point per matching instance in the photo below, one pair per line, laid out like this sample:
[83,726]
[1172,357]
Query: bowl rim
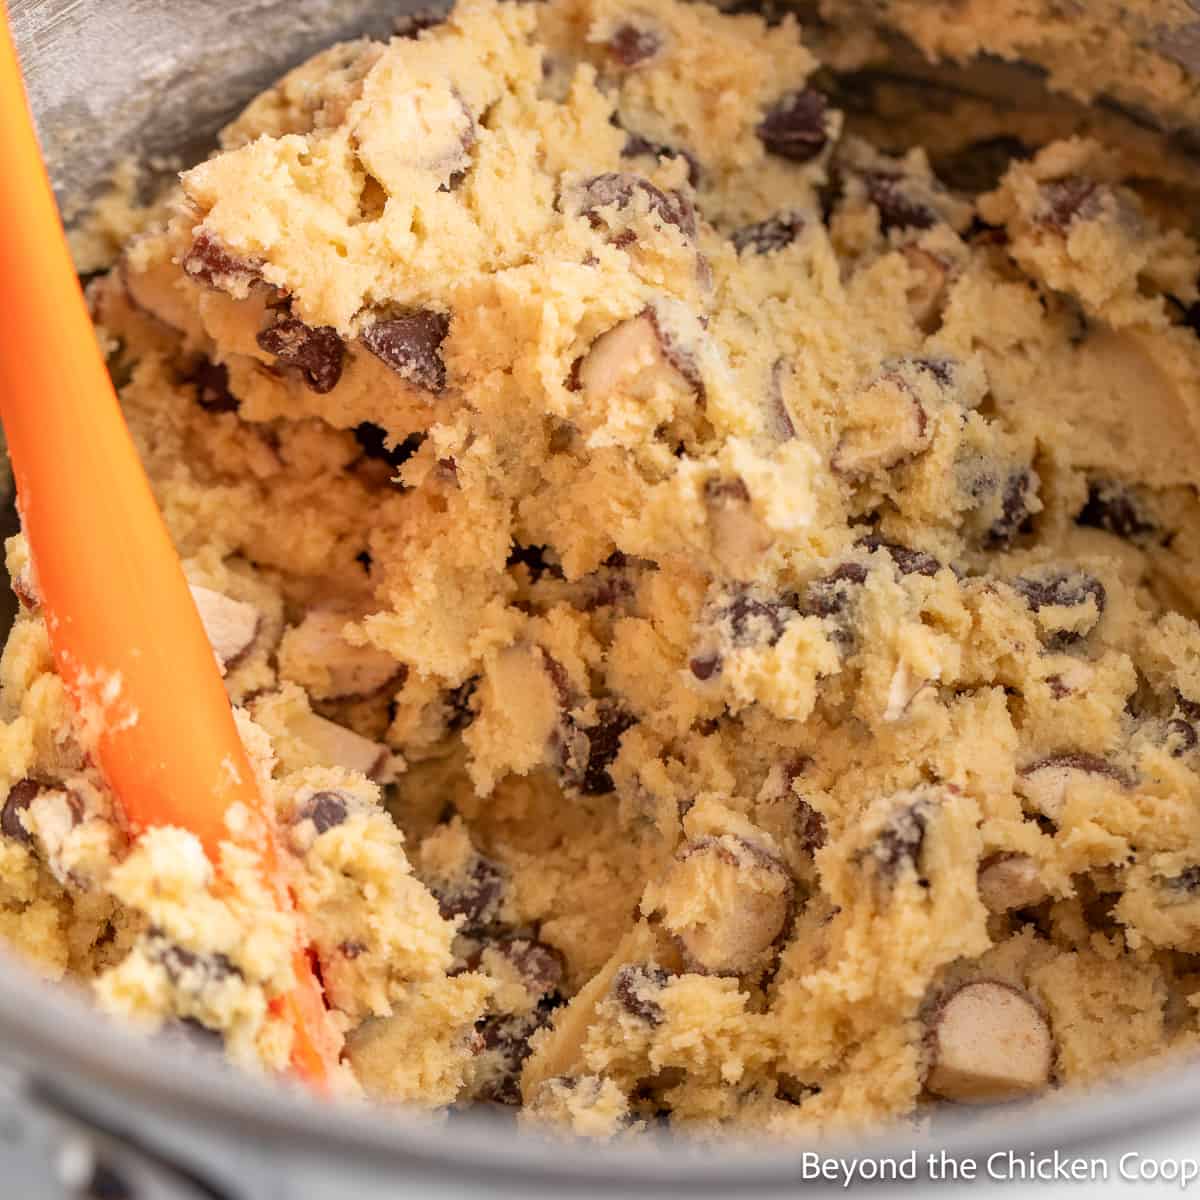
[58,1036]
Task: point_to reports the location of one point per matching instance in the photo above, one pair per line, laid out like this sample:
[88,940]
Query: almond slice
[315,655]
[232,625]
[988,1041]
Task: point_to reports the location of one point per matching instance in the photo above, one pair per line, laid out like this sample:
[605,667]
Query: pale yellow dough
[697,589]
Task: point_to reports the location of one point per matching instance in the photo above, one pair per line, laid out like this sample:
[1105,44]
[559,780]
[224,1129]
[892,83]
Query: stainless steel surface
[111,79]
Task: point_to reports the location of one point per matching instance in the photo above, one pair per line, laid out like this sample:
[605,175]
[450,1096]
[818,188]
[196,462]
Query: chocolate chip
[20,796]
[1060,588]
[631,46]
[754,619]
[810,827]
[1180,736]
[506,1043]
[211,263]
[411,344]
[901,840]
[534,560]
[1112,507]
[475,894]
[636,144]
[979,166]
[1078,760]
[374,442]
[1188,880]
[1015,510]
[1062,200]
[540,967]
[617,189]
[317,353]
[907,560]
[899,207]
[634,986]
[409,24]
[768,236]
[211,381]
[604,743]
[1189,708]
[324,810]
[829,595]
[458,705]
[201,969]
[704,667]
[795,126]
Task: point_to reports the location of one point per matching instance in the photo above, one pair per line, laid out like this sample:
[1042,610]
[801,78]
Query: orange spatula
[126,636]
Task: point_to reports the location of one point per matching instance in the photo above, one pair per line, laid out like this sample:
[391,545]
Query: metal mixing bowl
[93,1104]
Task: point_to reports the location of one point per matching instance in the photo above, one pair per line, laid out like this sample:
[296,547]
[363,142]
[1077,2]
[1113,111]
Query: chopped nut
[885,425]
[636,987]
[635,358]
[988,1041]
[927,293]
[315,654]
[1044,783]
[1008,881]
[739,538]
[727,901]
[232,625]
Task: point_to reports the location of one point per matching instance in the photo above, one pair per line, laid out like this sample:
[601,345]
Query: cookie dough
[710,597]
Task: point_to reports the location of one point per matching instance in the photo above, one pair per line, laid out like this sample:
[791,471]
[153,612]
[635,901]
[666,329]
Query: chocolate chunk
[979,166]
[899,207]
[1063,200]
[534,560]
[636,144]
[907,560]
[705,666]
[631,46]
[317,353]
[829,595]
[411,344]
[475,894]
[795,127]
[374,442]
[604,743]
[458,705]
[211,381]
[211,263]
[1113,507]
[1015,510]
[770,235]
[324,810]
[410,24]
[20,796]
[634,988]
[616,189]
